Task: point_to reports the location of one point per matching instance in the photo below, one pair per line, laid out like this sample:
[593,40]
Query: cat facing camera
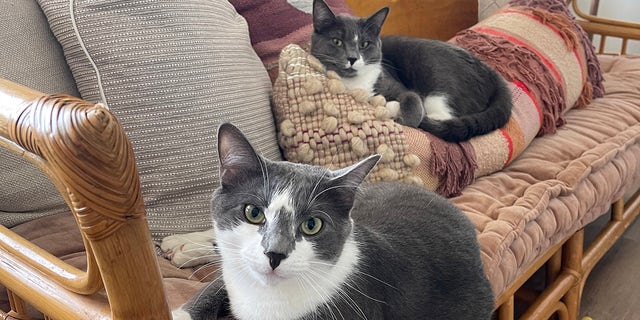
[304,242]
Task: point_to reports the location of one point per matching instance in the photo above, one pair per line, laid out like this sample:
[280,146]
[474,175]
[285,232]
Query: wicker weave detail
[320,122]
[85,145]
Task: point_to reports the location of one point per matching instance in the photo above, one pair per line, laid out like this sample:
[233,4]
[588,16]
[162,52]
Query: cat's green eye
[337,42]
[364,44]
[253,214]
[311,226]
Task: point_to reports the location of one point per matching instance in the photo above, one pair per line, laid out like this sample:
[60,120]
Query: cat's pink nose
[275,259]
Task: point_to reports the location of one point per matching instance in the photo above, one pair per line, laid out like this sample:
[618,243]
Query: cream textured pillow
[171,71]
[322,123]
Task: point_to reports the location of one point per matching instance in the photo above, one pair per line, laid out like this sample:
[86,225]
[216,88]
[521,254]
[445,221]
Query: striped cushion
[536,45]
[171,71]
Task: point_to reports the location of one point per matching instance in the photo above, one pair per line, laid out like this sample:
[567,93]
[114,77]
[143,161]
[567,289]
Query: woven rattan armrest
[82,148]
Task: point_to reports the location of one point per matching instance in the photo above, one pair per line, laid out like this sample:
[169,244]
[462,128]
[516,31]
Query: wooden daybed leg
[572,264]
[617,210]
[506,310]
[562,297]
[622,215]
[554,267]
[18,307]
[562,311]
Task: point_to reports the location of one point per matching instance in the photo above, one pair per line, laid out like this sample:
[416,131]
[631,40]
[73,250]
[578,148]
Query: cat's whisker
[328,61]
[222,286]
[265,177]
[333,160]
[430,201]
[227,245]
[332,188]
[189,261]
[326,57]
[326,215]
[355,271]
[259,200]
[206,287]
[352,304]
[325,297]
[217,281]
[388,66]
[211,264]
[344,294]
[206,276]
[302,285]
[315,187]
[356,289]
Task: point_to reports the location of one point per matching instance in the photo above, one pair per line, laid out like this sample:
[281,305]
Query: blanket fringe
[454,163]
[561,23]
[593,67]
[586,96]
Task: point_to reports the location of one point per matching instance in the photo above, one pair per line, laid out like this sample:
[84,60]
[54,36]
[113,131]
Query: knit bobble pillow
[321,123]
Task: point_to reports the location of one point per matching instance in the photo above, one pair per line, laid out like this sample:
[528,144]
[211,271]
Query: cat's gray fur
[415,257]
[427,77]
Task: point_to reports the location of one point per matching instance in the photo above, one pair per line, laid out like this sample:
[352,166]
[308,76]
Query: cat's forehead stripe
[280,201]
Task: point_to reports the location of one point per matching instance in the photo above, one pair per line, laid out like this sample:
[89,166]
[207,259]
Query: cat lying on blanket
[440,88]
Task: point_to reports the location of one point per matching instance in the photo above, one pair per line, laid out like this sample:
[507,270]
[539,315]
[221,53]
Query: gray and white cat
[441,88]
[304,242]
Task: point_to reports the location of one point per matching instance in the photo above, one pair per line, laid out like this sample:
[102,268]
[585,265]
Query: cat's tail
[467,126]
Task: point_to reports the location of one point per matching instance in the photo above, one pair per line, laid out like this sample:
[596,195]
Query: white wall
[616,9]
[487,7]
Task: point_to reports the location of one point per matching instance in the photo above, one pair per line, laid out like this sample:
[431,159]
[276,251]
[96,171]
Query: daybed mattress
[562,181]
[519,212]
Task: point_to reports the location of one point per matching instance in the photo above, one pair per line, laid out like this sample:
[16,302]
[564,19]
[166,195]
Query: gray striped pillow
[171,71]
[32,57]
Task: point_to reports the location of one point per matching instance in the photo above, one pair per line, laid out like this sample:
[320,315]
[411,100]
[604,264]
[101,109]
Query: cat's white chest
[366,78]
[306,284]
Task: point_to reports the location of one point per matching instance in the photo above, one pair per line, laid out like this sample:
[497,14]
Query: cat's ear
[237,157]
[377,19]
[355,174]
[345,183]
[323,17]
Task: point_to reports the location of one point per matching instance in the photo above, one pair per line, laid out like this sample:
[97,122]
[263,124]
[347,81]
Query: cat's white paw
[180,314]
[436,107]
[393,107]
[190,249]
